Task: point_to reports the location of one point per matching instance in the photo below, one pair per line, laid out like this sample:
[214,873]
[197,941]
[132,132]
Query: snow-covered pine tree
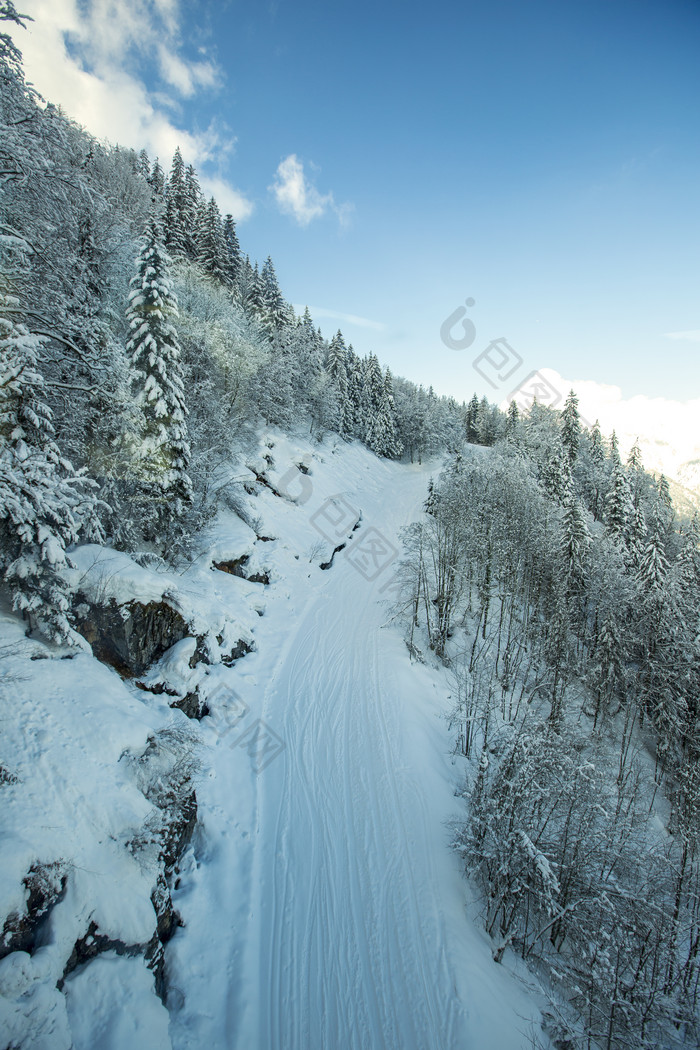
[43,502]
[143,165]
[382,437]
[355,395]
[211,244]
[619,508]
[161,447]
[192,211]
[336,365]
[512,420]
[372,394]
[233,251]
[576,541]
[156,180]
[253,293]
[555,471]
[176,208]
[571,427]
[472,430]
[274,306]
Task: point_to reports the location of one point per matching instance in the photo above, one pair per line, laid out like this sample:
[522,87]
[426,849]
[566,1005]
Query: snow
[98,1018]
[321,902]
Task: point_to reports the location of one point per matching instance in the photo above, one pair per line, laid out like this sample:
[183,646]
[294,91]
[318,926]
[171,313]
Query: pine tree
[381,433]
[512,420]
[472,420]
[233,251]
[192,211]
[253,292]
[614,449]
[555,472]
[274,305]
[571,427]
[576,541]
[156,180]
[143,166]
[486,422]
[619,508]
[162,448]
[42,505]
[212,249]
[336,363]
[176,208]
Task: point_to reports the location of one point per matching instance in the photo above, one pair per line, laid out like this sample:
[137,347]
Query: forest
[562,592]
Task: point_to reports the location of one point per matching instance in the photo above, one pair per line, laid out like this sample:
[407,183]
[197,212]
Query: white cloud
[297,196]
[228,198]
[692,336]
[360,322]
[667,430]
[85,58]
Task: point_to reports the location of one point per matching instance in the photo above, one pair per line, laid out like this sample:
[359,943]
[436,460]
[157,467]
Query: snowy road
[342,925]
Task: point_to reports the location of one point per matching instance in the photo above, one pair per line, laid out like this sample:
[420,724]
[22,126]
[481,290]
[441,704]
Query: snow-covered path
[342,924]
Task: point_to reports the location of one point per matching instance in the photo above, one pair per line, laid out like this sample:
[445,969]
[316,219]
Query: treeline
[139,350]
[562,592]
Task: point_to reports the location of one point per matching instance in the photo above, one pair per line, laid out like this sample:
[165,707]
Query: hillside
[317,901]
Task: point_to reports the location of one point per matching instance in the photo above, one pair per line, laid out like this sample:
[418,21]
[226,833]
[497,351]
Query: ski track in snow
[340,940]
[347,933]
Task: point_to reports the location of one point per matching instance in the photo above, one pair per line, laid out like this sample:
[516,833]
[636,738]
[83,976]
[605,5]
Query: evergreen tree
[176,208]
[253,293]
[162,447]
[212,250]
[372,394]
[576,541]
[193,209]
[336,363]
[382,437]
[143,166]
[274,305]
[619,509]
[472,427]
[233,251]
[156,180]
[512,420]
[555,472]
[571,427]
[42,506]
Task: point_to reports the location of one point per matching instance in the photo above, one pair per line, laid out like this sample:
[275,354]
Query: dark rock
[336,550]
[92,944]
[192,705]
[234,567]
[240,649]
[130,637]
[237,568]
[46,886]
[178,832]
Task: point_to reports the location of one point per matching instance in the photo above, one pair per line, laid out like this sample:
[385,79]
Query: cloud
[228,198]
[90,58]
[360,322]
[297,196]
[692,336]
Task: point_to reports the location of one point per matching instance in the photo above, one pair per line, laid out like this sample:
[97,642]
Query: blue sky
[542,158]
